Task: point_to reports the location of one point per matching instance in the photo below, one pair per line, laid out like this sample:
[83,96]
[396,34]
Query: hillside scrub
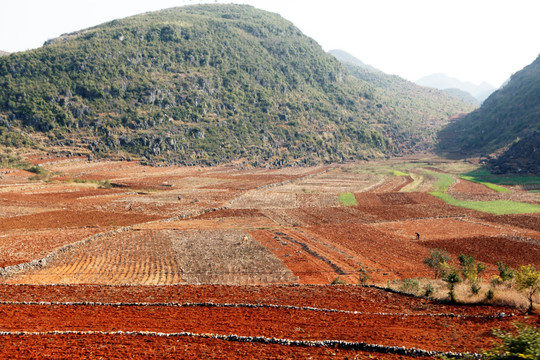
[204,84]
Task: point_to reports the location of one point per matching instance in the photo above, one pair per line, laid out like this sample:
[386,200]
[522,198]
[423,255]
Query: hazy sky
[472,40]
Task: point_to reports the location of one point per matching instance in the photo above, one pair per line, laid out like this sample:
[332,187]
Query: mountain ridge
[506,116]
[201,84]
[426,109]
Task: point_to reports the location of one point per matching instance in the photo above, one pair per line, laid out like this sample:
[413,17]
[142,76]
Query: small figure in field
[245,238]
[417,236]
[179,197]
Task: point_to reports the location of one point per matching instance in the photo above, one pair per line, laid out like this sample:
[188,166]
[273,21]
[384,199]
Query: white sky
[472,40]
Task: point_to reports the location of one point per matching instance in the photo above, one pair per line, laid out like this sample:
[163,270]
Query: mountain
[201,84]
[523,157]
[463,96]
[443,82]
[3,53]
[509,114]
[418,112]
[345,57]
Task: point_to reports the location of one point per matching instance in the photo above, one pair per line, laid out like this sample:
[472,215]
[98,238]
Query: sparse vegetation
[338,281]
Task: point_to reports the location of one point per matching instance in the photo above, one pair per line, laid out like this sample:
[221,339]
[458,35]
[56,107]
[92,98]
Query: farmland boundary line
[248,306]
[335,344]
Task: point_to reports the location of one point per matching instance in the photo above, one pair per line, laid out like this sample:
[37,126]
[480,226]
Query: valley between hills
[119,259]
[207,182]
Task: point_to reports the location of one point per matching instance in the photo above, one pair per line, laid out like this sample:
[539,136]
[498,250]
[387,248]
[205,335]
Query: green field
[498,207]
[347,199]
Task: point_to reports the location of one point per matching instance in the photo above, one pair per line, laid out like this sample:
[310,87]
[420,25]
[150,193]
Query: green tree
[439,261]
[471,271]
[451,278]
[506,273]
[528,281]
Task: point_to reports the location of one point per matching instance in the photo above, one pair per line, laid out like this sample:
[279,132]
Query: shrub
[523,345]
[471,271]
[438,261]
[452,278]
[338,281]
[506,273]
[363,275]
[411,286]
[428,289]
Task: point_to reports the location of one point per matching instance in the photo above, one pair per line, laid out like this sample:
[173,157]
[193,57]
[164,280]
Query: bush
[411,286]
[428,289]
[363,275]
[523,345]
[338,281]
[438,261]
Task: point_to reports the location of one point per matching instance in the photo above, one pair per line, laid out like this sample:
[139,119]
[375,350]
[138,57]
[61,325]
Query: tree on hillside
[471,271]
[528,281]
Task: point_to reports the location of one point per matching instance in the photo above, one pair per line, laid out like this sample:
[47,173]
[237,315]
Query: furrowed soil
[119,260]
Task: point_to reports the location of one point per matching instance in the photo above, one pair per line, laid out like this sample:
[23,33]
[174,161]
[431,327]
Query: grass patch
[497,207]
[482,175]
[489,185]
[399,173]
[101,184]
[347,199]
[444,182]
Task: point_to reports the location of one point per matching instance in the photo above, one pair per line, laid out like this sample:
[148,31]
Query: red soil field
[158,225]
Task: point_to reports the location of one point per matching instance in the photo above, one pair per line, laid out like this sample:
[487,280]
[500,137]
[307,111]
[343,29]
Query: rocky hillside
[523,157]
[509,114]
[202,84]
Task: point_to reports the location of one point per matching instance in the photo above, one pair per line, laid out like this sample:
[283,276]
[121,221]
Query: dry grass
[227,257]
[503,295]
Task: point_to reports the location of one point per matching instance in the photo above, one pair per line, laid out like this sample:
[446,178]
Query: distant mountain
[345,57]
[443,82]
[463,96]
[509,114]
[3,53]
[418,112]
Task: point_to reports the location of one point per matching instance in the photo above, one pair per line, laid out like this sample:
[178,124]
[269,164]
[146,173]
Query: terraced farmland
[168,256]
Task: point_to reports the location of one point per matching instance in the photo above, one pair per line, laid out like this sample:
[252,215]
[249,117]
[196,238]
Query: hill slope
[419,112]
[523,157]
[3,53]
[198,84]
[510,113]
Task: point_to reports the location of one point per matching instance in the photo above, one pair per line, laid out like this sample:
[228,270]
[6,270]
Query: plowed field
[236,263]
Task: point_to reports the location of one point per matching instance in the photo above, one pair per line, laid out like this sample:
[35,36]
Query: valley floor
[127,260]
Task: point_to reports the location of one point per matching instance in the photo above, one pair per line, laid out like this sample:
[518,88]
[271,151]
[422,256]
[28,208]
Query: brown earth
[161,232]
